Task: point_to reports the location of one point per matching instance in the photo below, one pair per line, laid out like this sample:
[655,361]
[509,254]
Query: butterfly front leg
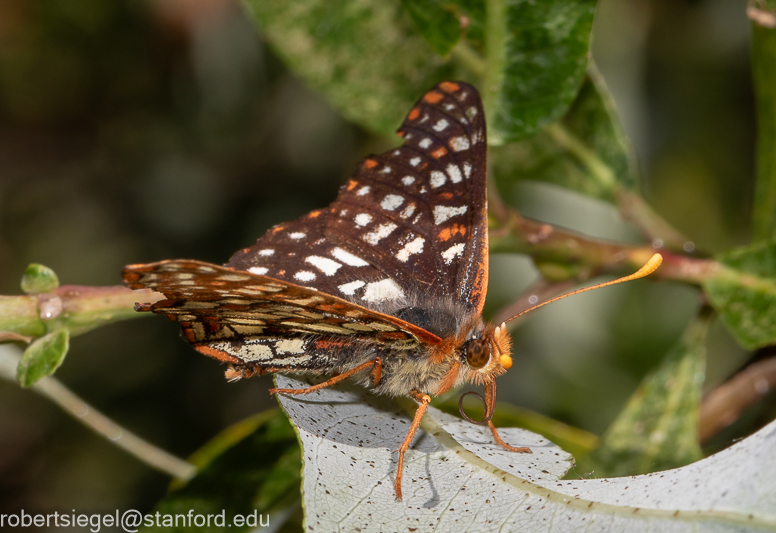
[423,400]
[376,364]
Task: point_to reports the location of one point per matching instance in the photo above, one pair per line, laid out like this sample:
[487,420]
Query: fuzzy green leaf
[743,291]
[253,466]
[365,57]
[538,65]
[658,429]
[39,278]
[43,357]
[585,151]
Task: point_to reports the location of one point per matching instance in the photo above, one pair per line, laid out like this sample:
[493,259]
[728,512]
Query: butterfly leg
[507,447]
[423,400]
[375,363]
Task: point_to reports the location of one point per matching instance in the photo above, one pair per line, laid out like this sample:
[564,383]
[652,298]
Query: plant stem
[632,205]
[55,391]
[764,77]
[495,41]
[76,307]
[587,257]
[724,405]
[469,58]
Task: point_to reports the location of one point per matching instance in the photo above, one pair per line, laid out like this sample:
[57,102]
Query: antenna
[650,266]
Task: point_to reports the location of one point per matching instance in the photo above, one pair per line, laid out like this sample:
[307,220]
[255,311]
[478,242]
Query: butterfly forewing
[413,219]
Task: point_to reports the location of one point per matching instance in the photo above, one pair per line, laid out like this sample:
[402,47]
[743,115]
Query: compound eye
[476,354]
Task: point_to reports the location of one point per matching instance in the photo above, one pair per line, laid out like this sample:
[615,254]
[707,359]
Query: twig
[55,391]
[722,406]
[547,243]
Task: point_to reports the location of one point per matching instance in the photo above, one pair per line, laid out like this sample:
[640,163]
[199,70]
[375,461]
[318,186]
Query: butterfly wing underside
[412,220]
[246,319]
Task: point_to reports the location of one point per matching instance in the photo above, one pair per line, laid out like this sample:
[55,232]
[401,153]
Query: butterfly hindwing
[240,317]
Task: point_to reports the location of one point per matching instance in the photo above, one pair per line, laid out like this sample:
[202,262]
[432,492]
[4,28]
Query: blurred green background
[147,130]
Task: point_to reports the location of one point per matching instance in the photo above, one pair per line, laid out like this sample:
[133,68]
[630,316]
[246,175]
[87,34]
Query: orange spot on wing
[352,184]
[415,113]
[444,235]
[277,228]
[447,195]
[370,163]
[449,86]
[439,152]
[314,214]
[281,272]
[433,97]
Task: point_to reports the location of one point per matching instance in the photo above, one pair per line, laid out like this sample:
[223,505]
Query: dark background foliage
[139,131]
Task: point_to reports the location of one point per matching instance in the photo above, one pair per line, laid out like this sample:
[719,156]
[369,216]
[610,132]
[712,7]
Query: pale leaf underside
[456,479]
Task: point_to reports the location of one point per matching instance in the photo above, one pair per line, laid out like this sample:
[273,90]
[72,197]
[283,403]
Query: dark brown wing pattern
[411,219]
[240,317]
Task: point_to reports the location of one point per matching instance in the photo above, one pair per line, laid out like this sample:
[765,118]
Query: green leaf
[365,57]
[537,55]
[39,278]
[43,357]
[586,151]
[764,75]
[253,466]
[743,291]
[658,429]
[435,22]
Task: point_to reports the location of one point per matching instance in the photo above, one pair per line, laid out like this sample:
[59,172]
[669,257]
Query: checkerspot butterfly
[386,285]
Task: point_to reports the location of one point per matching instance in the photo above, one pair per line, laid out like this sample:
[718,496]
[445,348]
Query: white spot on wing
[351,288]
[415,161]
[437,179]
[452,252]
[348,258]
[382,231]
[425,142]
[467,169]
[290,346]
[407,211]
[412,247]
[444,212]
[454,172]
[363,190]
[386,170]
[267,251]
[471,112]
[362,219]
[325,265]
[391,202]
[408,180]
[297,235]
[441,125]
[258,270]
[380,291]
[459,143]
[304,275]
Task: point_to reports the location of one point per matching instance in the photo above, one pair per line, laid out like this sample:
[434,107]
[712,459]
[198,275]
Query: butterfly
[385,286]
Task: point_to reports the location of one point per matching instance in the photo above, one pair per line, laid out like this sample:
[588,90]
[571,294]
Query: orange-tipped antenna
[646,270]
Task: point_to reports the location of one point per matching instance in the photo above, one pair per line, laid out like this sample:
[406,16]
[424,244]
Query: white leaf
[457,479]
